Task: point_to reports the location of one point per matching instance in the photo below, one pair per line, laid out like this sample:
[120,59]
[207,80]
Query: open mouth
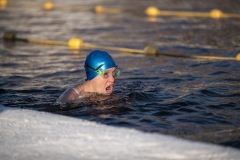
[109,89]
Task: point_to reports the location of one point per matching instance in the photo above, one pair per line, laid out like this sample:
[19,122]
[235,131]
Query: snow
[28,134]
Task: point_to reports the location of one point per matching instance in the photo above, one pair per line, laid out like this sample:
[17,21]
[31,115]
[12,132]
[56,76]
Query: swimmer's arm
[69,95]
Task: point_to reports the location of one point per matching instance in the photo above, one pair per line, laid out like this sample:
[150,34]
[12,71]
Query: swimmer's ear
[99,72]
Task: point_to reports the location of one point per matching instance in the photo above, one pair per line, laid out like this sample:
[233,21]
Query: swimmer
[101,72]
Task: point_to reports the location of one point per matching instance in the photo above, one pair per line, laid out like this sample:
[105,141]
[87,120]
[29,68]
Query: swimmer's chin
[108,92]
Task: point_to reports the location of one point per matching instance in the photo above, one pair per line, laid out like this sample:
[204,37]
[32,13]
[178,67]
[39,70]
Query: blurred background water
[189,98]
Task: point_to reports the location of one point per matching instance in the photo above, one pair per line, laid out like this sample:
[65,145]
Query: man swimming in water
[101,72]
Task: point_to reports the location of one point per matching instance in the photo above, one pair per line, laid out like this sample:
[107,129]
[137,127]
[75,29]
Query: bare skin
[99,84]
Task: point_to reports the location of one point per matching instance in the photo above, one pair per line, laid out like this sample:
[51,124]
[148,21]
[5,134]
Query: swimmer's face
[104,84]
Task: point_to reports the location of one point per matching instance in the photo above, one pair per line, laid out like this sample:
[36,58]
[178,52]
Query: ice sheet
[28,134]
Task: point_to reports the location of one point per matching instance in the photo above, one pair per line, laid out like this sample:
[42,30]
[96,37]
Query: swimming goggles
[105,73]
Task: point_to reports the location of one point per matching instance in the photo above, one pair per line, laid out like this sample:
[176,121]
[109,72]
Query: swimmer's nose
[111,78]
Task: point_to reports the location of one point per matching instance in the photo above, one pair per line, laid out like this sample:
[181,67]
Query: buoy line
[48,6]
[150,11]
[76,43]
[215,13]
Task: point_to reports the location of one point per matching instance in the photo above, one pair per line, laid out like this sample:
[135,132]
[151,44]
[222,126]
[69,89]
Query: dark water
[188,98]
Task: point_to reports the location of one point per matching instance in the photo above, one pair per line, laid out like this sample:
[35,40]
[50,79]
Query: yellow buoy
[99,9]
[75,43]
[152,11]
[9,36]
[238,57]
[48,5]
[216,13]
[151,50]
[3,3]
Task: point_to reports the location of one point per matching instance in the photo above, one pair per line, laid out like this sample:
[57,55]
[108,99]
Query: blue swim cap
[97,60]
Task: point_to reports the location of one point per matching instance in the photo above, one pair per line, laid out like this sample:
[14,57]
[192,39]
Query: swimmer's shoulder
[80,89]
[69,95]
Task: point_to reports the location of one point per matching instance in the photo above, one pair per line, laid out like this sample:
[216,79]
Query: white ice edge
[28,134]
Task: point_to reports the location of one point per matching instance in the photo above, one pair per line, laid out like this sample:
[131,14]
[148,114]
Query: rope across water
[150,11]
[76,43]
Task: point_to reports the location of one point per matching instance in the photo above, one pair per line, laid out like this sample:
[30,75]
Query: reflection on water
[193,99]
